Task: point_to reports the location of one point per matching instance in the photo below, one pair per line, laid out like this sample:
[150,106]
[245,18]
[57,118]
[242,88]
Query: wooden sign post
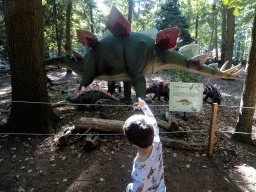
[212,129]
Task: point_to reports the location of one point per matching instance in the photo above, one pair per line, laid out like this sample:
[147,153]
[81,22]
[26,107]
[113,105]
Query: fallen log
[174,143]
[175,126]
[163,124]
[97,124]
[116,126]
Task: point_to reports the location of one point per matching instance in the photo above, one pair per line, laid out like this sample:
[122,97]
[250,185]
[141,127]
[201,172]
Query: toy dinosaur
[213,93]
[159,90]
[91,95]
[129,57]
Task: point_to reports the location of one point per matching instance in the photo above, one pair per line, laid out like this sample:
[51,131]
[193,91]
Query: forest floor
[35,163]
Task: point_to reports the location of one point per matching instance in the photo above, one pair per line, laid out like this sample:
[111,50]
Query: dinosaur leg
[127,92]
[111,87]
[139,84]
[206,97]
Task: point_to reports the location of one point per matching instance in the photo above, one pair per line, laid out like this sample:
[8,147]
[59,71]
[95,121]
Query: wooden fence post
[212,129]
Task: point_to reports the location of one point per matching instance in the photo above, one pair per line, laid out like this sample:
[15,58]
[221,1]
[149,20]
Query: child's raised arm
[142,105]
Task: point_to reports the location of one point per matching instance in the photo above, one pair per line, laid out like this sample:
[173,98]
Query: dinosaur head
[65,61]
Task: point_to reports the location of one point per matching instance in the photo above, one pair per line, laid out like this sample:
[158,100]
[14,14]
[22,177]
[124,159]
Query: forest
[61,117]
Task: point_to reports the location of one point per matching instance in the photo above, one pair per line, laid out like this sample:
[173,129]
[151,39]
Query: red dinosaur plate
[117,23]
[167,38]
[86,38]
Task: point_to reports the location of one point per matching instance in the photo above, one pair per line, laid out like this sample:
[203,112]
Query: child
[148,172]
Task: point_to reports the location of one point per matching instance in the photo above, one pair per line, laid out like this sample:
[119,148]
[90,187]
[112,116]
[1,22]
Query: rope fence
[116,134]
[107,105]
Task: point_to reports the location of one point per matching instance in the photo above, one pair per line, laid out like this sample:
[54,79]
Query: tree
[24,28]
[68,28]
[249,96]
[223,33]
[170,16]
[130,11]
[230,36]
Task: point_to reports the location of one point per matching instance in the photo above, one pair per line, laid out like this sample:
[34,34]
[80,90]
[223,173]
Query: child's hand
[139,105]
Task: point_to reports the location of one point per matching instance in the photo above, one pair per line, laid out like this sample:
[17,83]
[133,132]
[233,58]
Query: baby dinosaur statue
[213,93]
[129,57]
[159,90]
[91,95]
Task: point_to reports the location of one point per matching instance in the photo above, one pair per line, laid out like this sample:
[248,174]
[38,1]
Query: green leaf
[63,158]
[174,154]
[225,2]
[86,159]
[21,189]
[65,180]
[61,170]
[53,165]
[188,166]
[26,145]
[101,179]
[32,189]
[130,156]
[72,147]
[29,171]
[236,12]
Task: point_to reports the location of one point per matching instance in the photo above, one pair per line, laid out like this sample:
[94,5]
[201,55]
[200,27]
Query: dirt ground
[35,163]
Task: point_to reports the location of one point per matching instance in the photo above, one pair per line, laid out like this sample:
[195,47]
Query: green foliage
[170,16]
[184,76]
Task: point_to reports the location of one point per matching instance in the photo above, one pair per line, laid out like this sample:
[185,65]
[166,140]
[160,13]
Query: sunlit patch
[55,77]
[245,177]
[5,91]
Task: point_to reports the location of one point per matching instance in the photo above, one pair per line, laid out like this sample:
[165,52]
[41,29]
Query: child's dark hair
[139,130]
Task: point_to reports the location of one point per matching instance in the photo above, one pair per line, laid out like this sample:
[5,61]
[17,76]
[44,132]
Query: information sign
[186,97]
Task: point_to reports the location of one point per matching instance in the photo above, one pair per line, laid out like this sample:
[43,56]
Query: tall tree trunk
[24,27]
[197,18]
[223,34]
[210,44]
[215,29]
[58,29]
[238,47]
[130,11]
[230,37]
[68,36]
[245,120]
[91,17]
[216,37]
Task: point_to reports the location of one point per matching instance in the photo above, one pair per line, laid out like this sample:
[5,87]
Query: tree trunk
[245,120]
[24,27]
[58,29]
[224,34]
[130,11]
[210,44]
[230,37]
[197,18]
[216,37]
[91,18]
[68,36]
